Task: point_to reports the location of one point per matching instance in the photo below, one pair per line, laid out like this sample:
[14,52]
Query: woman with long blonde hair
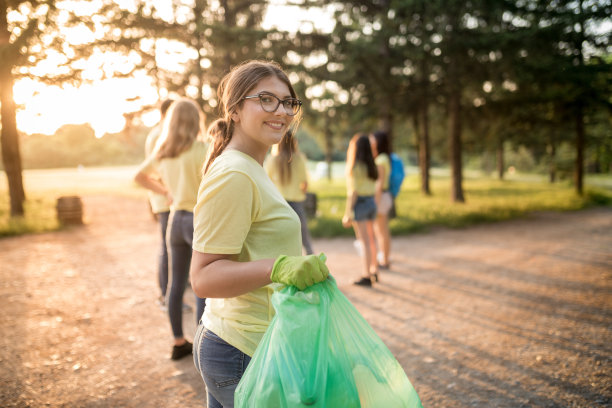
[174,170]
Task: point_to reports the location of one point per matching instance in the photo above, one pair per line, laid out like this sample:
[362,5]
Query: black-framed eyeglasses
[270,102]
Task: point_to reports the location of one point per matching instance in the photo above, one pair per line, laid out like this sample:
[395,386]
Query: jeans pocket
[221,364]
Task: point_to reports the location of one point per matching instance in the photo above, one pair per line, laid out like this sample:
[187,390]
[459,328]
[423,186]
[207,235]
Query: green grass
[487,199]
[44,187]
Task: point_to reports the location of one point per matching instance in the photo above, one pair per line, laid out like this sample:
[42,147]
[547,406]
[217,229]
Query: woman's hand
[347,221]
[300,271]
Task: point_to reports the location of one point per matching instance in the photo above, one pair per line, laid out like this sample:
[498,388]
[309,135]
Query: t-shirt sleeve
[148,166]
[227,204]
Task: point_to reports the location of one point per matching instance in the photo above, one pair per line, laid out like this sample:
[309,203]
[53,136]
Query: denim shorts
[221,366]
[364,209]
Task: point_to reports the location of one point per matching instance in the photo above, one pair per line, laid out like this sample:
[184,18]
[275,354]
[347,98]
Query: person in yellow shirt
[381,148]
[286,167]
[177,161]
[360,210]
[160,207]
[246,235]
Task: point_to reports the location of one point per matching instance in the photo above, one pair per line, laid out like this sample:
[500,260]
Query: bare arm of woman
[152,184]
[348,211]
[216,276]
[380,182]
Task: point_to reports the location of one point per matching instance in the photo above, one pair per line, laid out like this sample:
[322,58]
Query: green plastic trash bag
[320,352]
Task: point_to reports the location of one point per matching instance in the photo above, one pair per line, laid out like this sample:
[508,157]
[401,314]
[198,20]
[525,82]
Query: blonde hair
[282,161]
[182,125]
[232,89]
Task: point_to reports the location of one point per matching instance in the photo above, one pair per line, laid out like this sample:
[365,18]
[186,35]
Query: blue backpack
[397,175]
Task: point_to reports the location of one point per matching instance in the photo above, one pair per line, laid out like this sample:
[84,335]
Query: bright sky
[103,103]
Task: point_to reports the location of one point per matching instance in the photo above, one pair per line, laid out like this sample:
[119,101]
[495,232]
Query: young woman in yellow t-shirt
[360,210]
[246,236]
[286,167]
[177,161]
[160,208]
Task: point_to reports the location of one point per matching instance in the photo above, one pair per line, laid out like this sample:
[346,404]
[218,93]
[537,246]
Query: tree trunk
[499,153]
[552,166]
[579,165]
[198,9]
[424,150]
[454,124]
[328,145]
[385,119]
[11,156]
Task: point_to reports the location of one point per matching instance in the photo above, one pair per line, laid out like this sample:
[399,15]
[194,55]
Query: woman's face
[255,129]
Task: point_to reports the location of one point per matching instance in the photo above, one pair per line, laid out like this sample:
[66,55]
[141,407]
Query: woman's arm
[380,182]
[351,199]
[216,276]
[153,184]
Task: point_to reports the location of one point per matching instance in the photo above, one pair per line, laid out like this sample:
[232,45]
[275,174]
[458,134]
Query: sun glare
[104,102]
[101,104]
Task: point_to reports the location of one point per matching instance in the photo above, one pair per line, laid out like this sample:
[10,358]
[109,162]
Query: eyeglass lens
[270,103]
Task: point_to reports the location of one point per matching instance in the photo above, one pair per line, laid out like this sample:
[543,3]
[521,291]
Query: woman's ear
[235,117]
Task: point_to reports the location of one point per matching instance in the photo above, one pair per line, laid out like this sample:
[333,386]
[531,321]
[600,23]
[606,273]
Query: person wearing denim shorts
[360,211]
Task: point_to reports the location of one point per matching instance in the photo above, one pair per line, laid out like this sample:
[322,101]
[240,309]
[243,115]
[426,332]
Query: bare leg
[361,232]
[373,263]
[383,237]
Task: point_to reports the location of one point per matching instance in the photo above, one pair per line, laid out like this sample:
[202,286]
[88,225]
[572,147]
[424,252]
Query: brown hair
[181,128]
[360,152]
[232,89]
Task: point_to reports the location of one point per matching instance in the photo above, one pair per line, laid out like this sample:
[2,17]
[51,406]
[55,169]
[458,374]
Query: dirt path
[517,314]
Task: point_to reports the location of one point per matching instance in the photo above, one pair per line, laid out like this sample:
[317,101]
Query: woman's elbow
[140,178]
[198,284]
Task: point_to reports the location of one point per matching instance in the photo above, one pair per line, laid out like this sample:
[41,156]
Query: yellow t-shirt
[158,202]
[291,190]
[241,212]
[383,160]
[359,181]
[181,175]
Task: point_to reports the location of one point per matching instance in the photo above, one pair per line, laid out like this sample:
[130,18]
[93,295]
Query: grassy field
[44,187]
[487,199]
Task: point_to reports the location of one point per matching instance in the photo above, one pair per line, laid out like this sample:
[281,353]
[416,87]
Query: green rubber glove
[300,271]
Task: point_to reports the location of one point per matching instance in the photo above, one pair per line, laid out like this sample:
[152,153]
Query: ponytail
[219,135]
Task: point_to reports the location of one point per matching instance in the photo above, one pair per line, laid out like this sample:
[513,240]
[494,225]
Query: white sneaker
[358,246]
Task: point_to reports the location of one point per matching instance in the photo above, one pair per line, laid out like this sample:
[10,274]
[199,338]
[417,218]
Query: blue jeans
[180,240]
[220,365]
[162,269]
[298,207]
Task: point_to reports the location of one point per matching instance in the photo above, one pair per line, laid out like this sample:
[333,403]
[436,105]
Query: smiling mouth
[275,125]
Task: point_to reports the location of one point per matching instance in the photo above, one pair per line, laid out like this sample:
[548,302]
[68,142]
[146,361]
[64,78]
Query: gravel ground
[514,314]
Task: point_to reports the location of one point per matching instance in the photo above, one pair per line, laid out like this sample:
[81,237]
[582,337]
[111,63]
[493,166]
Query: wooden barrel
[70,210]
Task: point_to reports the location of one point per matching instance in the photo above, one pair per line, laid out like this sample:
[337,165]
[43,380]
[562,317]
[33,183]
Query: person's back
[178,159]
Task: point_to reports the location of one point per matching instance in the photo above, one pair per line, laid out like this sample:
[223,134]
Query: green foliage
[76,145]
